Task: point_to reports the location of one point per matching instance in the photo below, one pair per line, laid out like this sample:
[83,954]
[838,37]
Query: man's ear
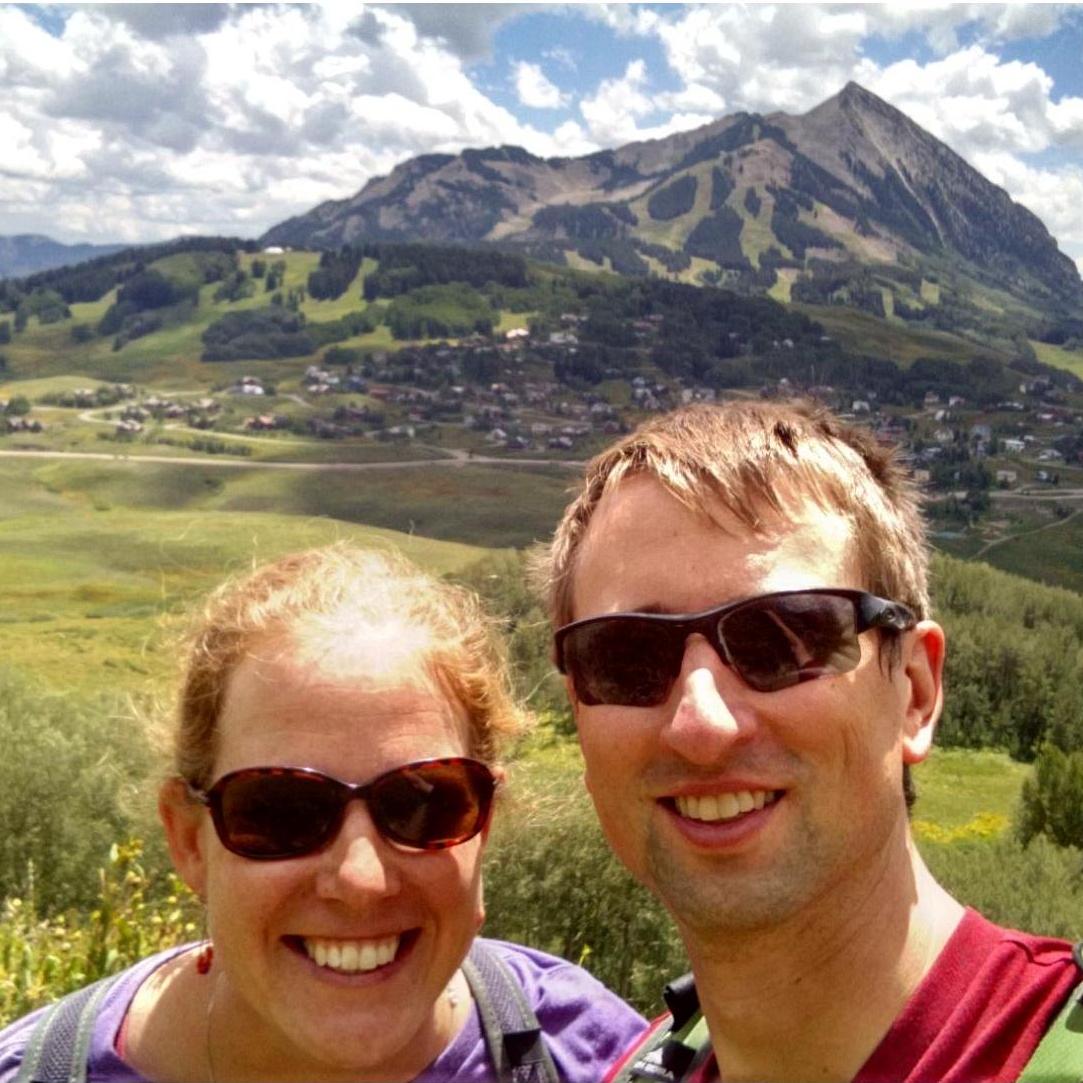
[183,819]
[923,666]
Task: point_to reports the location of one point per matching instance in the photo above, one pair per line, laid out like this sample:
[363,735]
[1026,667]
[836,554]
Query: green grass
[965,792]
[170,356]
[673,232]
[34,389]
[1048,354]
[756,233]
[784,280]
[91,597]
[468,504]
[867,334]
[1053,556]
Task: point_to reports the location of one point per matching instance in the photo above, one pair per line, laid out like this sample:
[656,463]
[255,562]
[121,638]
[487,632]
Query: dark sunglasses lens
[624,661]
[431,806]
[266,815]
[778,642]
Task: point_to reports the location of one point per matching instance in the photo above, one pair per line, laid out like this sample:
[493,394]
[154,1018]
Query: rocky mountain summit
[823,202]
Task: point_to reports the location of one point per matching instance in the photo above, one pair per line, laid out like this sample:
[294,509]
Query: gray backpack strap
[513,1035]
[58,1047]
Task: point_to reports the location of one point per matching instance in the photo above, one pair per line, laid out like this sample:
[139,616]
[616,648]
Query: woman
[339,726]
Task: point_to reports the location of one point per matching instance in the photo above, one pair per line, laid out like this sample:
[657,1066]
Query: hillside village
[496,396]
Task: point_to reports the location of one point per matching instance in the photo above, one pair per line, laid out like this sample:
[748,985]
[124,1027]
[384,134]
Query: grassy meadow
[100,561]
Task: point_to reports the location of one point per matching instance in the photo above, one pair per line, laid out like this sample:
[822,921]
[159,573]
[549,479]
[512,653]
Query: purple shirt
[586,1027]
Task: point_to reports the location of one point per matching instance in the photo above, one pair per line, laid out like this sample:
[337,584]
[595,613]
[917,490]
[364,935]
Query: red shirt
[980,1011]
[976,1017]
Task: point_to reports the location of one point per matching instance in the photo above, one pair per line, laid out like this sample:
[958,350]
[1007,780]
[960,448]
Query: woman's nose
[359,861]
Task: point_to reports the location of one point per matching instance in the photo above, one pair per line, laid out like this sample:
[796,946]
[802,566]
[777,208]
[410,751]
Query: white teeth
[723,806]
[352,956]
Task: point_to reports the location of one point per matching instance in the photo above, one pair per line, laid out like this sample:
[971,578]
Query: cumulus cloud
[466,30]
[141,121]
[979,104]
[166,20]
[942,23]
[206,118]
[612,114]
[535,89]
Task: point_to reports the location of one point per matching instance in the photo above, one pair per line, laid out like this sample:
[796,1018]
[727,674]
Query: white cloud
[765,58]
[141,121]
[613,112]
[979,104]
[535,90]
[232,119]
[941,22]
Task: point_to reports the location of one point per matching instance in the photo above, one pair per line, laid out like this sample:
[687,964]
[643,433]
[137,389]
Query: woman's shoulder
[586,1024]
[104,1063]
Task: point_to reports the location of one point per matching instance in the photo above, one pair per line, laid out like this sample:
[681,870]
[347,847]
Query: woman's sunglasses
[772,642]
[271,813]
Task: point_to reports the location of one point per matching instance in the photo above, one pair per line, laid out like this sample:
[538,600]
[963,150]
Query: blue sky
[140,122]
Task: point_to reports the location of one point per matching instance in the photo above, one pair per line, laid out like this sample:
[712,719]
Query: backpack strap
[1059,1056]
[59,1044]
[674,1042]
[513,1035]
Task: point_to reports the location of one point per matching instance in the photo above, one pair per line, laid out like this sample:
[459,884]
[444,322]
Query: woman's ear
[923,666]
[183,819]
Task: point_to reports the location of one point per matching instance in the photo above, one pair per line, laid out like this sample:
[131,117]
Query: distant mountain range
[822,200]
[27,253]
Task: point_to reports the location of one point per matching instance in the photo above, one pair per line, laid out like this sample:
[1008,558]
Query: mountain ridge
[853,183]
[24,254]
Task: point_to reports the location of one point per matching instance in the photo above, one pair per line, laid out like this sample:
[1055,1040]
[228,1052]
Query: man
[741,607]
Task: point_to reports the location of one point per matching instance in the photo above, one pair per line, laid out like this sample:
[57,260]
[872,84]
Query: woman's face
[269,920]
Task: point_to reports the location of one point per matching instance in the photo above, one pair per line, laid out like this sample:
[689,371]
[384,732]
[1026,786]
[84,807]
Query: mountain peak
[744,201]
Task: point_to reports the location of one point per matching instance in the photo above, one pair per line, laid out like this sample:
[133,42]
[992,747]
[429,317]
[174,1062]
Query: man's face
[816,767]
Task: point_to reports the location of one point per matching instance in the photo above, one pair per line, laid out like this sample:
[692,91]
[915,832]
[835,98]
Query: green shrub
[552,882]
[43,956]
[1037,887]
[70,777]
[1052,803]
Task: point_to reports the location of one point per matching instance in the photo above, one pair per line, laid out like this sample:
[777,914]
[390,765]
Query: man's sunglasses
[271,813]
[772,642]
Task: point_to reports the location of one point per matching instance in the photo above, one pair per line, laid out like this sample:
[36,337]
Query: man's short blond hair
[739,457]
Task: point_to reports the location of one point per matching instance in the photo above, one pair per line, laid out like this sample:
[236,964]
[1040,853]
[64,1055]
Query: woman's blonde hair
[336,590]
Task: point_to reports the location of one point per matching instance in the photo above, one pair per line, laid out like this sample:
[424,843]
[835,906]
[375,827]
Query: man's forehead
[642,531]
[622,509]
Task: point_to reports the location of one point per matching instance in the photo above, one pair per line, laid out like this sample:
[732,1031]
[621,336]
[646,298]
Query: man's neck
[812,999]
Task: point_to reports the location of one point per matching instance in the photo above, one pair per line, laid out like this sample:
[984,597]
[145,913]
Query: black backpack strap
[59,1044]
[674,1042]
[513,1035]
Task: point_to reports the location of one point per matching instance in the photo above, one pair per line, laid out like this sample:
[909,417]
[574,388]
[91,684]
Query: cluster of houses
[199,414]
[20,424]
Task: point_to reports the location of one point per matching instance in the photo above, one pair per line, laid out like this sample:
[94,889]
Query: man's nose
[360,862]
[707,717]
